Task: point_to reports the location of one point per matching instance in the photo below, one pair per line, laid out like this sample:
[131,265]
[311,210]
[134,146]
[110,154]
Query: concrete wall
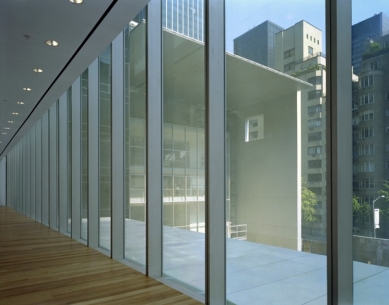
[3,194]
[265,173]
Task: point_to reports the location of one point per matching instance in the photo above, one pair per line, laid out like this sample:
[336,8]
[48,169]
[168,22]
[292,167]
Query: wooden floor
[41,266]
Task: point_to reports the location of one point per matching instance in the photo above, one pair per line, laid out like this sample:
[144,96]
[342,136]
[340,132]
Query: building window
[314,109]
[367,81]
[314,94]
[366,99]
[374,65]
[314,150]
[366,184]
[314,123]
[316,80]
[366,150]
[314,136]
[307,36]
[366,167]
[315,177]
[289,67]
[310,50]
[366,115]
[254,128]
[314,164]
[318,41]
[355,120]
[317,190]
[367,132]
[289,53]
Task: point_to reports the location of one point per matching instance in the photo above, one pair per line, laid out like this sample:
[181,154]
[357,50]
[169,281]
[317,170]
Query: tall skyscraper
[184,17]
[258,43]
[364,32]
[298,53]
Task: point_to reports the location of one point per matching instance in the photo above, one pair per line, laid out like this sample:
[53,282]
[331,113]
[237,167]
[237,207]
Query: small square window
[254,129]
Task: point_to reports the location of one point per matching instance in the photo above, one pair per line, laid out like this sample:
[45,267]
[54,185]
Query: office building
[370,134]
[299,53]
[185,17]
[159,150]
[363,33]
[258,44]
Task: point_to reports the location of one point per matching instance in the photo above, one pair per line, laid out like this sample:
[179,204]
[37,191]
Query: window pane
[276,177]
[84,155]
[184,144]
[370,60]
[105,148]
[135,139]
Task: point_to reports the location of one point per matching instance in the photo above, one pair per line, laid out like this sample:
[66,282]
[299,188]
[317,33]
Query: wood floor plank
[38,265]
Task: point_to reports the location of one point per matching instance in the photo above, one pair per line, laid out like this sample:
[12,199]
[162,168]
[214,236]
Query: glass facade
[289,217]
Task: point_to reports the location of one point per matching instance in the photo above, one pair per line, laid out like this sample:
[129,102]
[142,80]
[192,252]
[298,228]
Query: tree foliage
[361,212]
[308,205]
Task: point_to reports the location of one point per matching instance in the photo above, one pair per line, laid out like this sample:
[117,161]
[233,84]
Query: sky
[243,15]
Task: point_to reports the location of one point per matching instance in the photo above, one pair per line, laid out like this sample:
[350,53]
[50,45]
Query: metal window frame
[215,218]
[339,150]
[154,133]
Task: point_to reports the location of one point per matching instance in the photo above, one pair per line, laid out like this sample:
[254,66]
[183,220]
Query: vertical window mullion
[215,217]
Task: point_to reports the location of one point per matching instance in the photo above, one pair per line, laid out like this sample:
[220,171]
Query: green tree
[361,212]
[308,205]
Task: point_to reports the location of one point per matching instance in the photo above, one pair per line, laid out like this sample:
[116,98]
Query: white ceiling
[25,25]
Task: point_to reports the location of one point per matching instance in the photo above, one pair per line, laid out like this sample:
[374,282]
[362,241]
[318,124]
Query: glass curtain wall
[276,161]
[105,149]
[183,151]
[84,155]
[370,147]
[135,139]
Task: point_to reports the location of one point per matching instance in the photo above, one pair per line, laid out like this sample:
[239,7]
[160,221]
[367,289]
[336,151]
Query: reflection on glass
[135,140]
[69,204]
[276,216]
[105,148]
[370,112]
[184,144]
[84,155]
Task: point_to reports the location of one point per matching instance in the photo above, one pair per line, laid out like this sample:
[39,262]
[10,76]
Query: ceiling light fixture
[6,127]
[37,70]
[52,43]
[20,103]
[10,122]
[26,89]
[15,113]
[3,133]
[76,1]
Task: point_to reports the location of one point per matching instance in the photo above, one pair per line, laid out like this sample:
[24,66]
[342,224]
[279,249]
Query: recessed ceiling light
[0,142]
[52,43]
[20,103]
[37,70]
[26,89]
[10,122]
[6,127]
[15,113]
[3,133]
[76,1]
